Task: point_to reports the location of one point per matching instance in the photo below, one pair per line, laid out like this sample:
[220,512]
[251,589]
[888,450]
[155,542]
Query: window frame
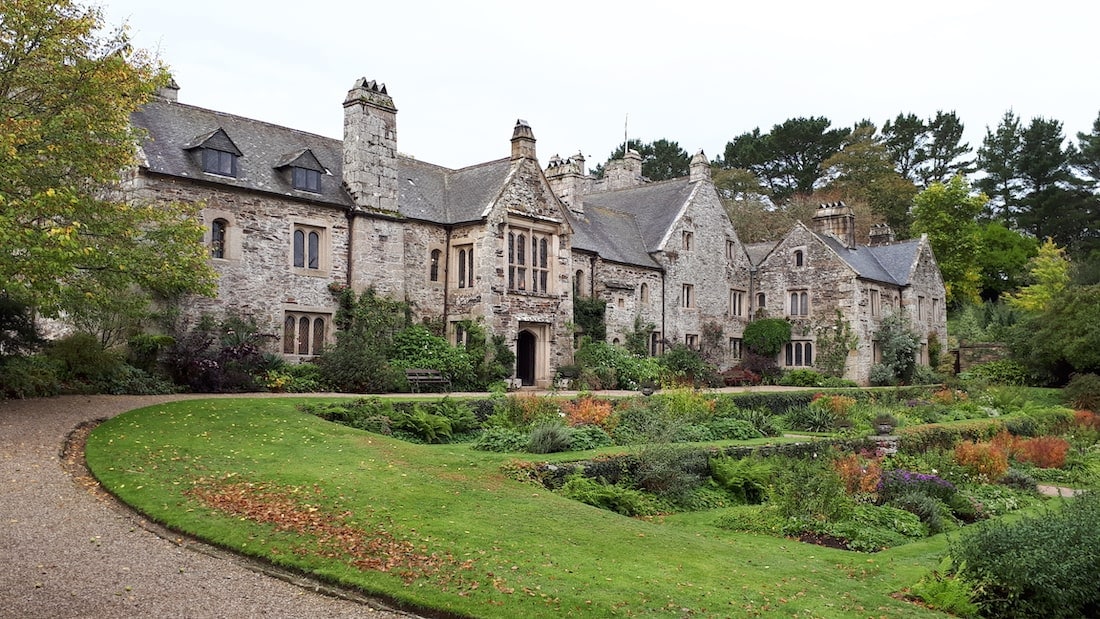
[434,258]
[737,303]
[309,248]
[798,354]
[798,303]
[214,161]
[305,179]
[687,296]
[318,325]
[219,238]
[529,259]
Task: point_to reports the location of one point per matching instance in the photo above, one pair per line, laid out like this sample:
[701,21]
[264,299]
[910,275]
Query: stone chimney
[169,91]
[623,173]
[523,141]
[370,146]
[837,219]
[567,179]
[700,168]
[881,234]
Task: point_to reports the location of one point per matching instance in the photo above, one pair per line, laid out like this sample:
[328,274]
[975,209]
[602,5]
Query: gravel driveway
[68,551]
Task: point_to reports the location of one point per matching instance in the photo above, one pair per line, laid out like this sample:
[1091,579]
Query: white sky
[699,73]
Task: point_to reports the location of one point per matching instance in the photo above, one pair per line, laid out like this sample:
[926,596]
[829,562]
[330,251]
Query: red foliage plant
[984,460]
[860,474]
[1087,420]
[1045,452]
[587,411]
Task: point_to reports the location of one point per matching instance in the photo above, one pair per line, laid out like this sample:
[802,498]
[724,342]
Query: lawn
[441,527]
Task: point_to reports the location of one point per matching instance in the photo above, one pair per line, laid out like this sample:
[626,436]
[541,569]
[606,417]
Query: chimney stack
[881,234]
[700,168]
[370,146]
[838,220]
[523,141]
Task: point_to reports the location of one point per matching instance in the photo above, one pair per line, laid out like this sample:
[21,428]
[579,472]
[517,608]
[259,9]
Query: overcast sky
[699,73]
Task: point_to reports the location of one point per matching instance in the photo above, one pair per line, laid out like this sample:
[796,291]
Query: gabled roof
[613,235]
[434,193]
[654,207]
[758,251]
[425,191]
[891,264]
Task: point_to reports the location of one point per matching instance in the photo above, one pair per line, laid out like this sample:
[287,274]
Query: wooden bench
[421,376]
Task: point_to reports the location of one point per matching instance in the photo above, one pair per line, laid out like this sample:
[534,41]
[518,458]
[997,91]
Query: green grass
[454,534]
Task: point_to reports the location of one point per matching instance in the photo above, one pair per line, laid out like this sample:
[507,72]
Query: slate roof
[890,264]
[654,207]
[612,234]
[758,251]
[425,191]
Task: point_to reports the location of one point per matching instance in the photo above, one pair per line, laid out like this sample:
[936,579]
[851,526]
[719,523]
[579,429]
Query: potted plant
[884,423]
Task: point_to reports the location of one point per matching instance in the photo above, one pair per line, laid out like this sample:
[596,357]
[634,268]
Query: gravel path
[67,550]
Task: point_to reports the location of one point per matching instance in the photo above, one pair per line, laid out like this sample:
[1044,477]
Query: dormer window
[217,153]
[302,169]
[219,162]
[306,179]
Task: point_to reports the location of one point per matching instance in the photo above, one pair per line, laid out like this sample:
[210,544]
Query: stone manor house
[290,215]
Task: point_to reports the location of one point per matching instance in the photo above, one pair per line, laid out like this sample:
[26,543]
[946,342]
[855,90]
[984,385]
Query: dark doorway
[525,358]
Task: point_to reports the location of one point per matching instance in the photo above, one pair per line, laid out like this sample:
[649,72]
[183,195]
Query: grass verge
[439,527]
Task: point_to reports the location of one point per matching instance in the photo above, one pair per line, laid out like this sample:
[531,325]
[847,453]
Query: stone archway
[526,348]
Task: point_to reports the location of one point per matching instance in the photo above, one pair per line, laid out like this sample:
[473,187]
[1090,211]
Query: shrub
[692,433]
[727,429]
[1036,566]
[589,437]
[810,491]
[1045,452]
[607,366]
[928,509]
[500,440]
[684,365]
[668,471]
[34,376]
[549,437]
[524,411]
[766,337]
[899,346]
[1003,372]
[802,378]
[762,420]
[983,460]
[82,358]
[217,357]
[688,405]
[924,438]
[1083,391]
[128,380]
[1015,478]
[900,482]
[860,475]
[625,501]
[587,411]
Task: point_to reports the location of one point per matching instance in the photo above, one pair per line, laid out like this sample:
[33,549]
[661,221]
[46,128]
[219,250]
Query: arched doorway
[526,344]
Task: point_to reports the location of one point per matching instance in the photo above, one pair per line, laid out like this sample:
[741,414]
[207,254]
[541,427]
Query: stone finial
[699,168]
[523,141]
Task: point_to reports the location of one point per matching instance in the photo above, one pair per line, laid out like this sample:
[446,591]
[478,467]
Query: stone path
[68,551]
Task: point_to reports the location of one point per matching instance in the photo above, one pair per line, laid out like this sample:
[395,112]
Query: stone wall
[257,277]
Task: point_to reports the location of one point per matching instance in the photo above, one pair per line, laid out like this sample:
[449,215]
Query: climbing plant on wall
[834,341]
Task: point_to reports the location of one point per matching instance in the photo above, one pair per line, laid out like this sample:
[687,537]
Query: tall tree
[946,153]
[788,159]
[661,159]
[1086,157]
[66,233]
[906,139]
[999,158]
[1049,201]
[1003,259]
[1049,275]
[863,171]
[948,213]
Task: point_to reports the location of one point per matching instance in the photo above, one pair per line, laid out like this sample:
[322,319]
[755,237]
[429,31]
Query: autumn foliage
[984,460]
[587,411]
